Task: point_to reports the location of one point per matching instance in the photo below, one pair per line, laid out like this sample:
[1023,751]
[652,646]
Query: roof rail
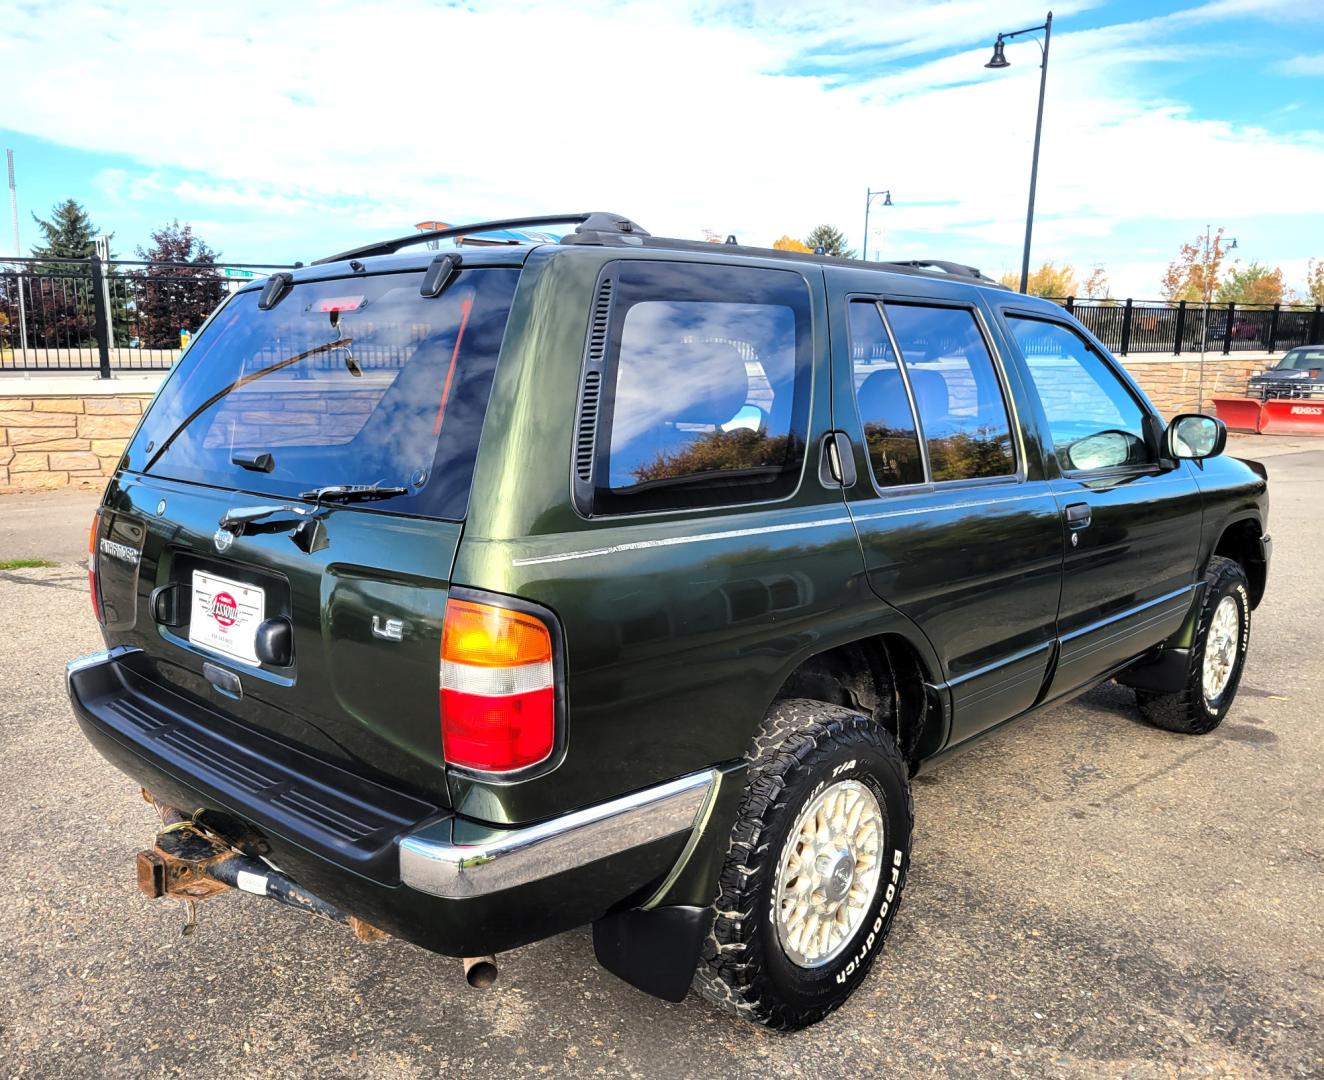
[955,269]
[592,221]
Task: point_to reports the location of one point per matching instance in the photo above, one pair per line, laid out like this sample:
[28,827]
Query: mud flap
[655,951]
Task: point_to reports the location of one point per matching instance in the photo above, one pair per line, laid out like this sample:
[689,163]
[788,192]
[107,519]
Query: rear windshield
[392,391]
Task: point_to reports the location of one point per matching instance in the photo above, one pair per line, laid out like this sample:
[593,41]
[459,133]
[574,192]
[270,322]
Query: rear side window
[880,390]
[961,408]
[350,381]
[706,387]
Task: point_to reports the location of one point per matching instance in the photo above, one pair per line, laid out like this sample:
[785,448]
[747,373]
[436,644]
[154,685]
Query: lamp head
[887,198]
[999,59]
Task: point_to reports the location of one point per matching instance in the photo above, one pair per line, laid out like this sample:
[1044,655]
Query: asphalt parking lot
[1089,897]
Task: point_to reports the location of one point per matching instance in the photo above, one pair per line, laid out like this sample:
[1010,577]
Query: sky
[289,131]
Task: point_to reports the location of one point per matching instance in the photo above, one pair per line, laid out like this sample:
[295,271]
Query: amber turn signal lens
[484,635]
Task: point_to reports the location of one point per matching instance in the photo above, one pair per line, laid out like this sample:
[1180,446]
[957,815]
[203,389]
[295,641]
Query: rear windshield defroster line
[403,409]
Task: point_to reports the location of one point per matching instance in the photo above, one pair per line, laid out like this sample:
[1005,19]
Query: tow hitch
[190,864]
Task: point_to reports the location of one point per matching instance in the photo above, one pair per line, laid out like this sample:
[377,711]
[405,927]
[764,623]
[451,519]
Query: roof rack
[921,267]
[601,228]
[595,221]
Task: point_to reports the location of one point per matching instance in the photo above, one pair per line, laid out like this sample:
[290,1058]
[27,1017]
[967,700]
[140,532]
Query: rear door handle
[837,468]
[1078,515]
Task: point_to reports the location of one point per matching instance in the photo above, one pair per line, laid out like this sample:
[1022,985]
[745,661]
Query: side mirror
[1195,436]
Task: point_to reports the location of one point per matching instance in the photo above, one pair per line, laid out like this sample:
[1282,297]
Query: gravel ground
[1089,897]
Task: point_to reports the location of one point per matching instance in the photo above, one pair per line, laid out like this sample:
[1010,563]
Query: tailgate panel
[351,695]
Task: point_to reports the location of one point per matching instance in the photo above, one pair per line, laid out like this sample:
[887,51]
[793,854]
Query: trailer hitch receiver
[190,864]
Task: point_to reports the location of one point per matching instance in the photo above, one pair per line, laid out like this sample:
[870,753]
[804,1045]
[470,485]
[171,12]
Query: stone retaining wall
[52,442]
[1173,385]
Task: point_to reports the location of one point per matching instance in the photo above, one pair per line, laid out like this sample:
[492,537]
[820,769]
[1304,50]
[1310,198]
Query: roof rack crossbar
[592,221]
[955,269]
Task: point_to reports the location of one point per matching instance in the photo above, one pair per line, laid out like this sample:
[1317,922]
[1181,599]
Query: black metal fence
[90,315]
[1144,326]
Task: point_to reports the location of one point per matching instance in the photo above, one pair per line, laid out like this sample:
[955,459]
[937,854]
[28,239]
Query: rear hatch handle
[234,519]
[309,534]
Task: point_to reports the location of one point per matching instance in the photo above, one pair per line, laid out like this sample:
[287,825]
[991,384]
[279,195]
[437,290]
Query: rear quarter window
[706,387]
[389,388]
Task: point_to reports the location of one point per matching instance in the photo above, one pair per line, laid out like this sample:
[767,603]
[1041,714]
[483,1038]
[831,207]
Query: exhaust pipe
[480,972]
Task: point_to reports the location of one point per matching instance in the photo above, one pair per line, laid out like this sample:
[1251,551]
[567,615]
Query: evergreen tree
[169,298]
[831,240]
[69,234]
[61,313]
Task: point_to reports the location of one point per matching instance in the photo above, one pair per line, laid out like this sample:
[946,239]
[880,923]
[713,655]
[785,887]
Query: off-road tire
[801,746]
[1186,711]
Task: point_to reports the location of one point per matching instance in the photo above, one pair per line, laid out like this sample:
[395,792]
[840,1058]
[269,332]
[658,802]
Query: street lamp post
[999,60]
[868,202]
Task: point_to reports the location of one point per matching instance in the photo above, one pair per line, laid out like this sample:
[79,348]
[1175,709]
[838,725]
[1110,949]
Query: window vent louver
[592,389]
[597,334]
[588,422]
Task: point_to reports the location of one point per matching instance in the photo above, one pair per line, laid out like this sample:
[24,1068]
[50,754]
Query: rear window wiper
[253,376]
[352,493]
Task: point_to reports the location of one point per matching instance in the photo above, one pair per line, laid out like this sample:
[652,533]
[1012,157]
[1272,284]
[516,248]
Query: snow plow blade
[1240,413]
[1284,416]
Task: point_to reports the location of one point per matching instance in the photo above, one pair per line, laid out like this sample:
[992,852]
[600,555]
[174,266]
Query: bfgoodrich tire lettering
[1191,710]
[802,749]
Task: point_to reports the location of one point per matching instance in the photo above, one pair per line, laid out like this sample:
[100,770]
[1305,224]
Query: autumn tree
[168,298]
[1049,280]
[788,243]
[720,451]
[831,239]
[1255,284]
[1096,286]
[1194,274]
[1315,281]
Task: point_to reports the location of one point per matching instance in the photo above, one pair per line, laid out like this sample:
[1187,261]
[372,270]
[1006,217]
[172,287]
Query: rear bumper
[455,859]
[419,872]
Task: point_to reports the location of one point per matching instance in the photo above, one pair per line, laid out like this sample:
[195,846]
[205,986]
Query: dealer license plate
[226,616]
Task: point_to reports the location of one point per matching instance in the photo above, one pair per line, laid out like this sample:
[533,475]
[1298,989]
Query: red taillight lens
[92,537]
[498,703]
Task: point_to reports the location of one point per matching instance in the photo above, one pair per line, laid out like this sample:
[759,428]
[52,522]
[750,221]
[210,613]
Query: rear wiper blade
[253,376]
[352,493]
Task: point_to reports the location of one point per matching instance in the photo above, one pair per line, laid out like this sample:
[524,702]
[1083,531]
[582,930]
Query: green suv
[472,595]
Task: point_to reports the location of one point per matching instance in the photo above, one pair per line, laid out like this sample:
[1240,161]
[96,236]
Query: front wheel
[1218,654]
[815,868]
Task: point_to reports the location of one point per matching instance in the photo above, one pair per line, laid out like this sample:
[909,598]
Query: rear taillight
[498,700]
[92,537]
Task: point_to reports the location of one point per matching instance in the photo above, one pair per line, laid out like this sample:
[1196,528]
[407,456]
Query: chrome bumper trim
[432,862]
[96,659]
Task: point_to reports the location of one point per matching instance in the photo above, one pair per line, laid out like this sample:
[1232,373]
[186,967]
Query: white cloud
[1312,64]
[753,119]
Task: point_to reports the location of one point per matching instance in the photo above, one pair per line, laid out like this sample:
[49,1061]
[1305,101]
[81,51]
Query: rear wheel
[814,873]
[1218,653]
